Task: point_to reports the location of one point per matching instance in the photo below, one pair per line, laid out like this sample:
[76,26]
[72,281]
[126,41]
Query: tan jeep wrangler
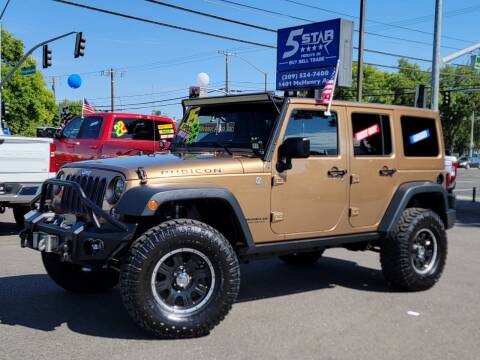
[247,177]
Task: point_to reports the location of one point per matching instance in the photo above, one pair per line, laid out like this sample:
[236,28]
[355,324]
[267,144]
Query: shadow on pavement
[7,229]
[468,213]
[34,301]
[272,278]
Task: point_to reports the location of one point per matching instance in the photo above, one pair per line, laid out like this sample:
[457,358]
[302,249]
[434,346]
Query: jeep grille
[94,188]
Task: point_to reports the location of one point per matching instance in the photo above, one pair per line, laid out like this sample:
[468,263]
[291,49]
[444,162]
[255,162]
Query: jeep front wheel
[180,279]
[76,279]
[302,259]
[413,258]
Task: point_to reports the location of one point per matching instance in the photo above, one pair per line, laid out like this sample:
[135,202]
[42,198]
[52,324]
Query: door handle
[385,171]
[336,173]
[93,147]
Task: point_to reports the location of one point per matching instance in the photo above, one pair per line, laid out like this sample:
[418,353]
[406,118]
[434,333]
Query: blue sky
[156,63]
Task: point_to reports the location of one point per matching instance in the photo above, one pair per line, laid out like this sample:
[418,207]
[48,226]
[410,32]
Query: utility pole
[436,57]
[226,54]
[1,28]
[112,90]
[472,127]
[112,73]
[53,87]
[361,45]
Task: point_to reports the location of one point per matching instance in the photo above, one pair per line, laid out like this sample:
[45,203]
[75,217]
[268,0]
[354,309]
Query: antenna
[154,136]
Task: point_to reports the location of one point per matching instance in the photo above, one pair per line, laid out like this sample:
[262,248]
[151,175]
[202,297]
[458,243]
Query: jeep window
[231,126]
[90,128]
[419,136]
[320,129]
[141,129]
[372,135]
[71,130]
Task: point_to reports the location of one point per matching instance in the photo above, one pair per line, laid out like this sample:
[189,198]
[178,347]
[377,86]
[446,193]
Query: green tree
[456,117]
[30,103]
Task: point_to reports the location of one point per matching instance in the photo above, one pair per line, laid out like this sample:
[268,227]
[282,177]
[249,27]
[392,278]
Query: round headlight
[118,188]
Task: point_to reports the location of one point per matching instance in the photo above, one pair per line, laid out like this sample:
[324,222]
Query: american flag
[327,93]
[87,109]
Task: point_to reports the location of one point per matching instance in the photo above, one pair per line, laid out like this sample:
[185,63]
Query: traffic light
[194,92]
[5,110]
[47,57]
[79,45]
[446,98]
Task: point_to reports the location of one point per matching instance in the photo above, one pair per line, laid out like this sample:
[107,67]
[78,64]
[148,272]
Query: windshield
[230,126]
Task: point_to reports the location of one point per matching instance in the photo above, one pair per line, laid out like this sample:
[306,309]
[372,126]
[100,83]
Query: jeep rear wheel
[413,258]
[73,278]
[302,259]
[180,279]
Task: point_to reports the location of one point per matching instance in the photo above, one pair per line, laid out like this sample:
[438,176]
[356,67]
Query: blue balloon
[74,81]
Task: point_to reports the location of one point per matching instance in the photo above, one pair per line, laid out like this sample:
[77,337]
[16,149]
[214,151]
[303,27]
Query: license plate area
[45,242]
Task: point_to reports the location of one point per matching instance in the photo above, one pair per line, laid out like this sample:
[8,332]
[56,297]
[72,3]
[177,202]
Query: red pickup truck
[103,135]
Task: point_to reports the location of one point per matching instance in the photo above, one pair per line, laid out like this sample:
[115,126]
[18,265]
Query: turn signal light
[152,205]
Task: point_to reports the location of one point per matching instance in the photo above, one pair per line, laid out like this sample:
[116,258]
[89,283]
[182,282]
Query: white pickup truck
[25,163]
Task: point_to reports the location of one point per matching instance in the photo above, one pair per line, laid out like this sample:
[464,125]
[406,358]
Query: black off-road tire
[71,277]
[18,215]
[302,259]
[397,251]
[147,252]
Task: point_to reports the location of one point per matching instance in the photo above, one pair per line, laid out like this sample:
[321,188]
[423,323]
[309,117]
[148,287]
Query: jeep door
[373,165]
[310,199]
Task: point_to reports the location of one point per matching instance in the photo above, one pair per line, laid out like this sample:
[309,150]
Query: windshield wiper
[225,147]
[215,144]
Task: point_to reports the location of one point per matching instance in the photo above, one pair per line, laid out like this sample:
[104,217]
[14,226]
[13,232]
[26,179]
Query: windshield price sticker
[190,127]
[422,135]
[363,134]
[120,128]
[164,126]
[165,131]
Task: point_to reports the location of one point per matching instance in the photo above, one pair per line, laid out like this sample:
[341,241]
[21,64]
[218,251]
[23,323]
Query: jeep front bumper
[87,243]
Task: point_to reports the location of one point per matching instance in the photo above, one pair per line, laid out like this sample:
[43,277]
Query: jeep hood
[167,165]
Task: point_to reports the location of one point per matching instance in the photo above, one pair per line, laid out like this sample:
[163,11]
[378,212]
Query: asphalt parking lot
[467,180]
[338,309]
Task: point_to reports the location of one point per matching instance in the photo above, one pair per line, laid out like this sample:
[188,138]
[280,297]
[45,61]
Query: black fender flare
[134,201]
[402,197]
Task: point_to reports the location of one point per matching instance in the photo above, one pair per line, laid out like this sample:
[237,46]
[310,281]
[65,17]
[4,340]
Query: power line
[212,34]
[148,102]
[171,26]
[446,14]
[148,107]
[311,20]
[370,20]
[211,15]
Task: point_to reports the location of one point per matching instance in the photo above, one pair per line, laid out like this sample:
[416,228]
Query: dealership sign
[308,54]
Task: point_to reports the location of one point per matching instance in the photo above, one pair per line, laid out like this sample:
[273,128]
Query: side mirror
[58,134]
[296,148]
[292,148]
